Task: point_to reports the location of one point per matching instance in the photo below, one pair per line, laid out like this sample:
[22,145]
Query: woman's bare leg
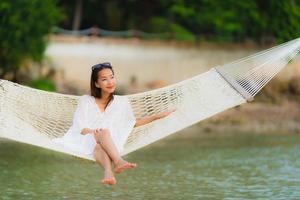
[104,139]
[104,160]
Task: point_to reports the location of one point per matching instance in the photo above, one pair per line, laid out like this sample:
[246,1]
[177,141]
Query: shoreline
[257,118]
[149,62]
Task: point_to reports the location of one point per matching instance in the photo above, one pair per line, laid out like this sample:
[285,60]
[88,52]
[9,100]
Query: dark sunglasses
[101,65]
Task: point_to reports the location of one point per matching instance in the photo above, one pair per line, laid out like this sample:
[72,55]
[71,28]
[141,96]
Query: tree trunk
[77,15]
[3,72]
[15,77]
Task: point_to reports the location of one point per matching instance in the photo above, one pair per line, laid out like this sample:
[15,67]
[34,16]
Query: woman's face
[106,81]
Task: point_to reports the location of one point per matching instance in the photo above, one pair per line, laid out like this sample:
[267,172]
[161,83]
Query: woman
[102,123]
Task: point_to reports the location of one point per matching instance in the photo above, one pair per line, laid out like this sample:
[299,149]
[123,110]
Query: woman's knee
[105,132]
[97,148]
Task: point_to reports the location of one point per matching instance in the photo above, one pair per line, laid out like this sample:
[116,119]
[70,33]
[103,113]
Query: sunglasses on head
[100,65]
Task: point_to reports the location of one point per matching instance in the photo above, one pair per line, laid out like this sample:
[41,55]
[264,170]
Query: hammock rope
[35,117]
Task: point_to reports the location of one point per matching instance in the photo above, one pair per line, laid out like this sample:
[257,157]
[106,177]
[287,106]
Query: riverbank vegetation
[190,20]
[25,26]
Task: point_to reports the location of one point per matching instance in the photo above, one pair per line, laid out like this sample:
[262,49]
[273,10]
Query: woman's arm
[86,131]
[146,120]
[80,116]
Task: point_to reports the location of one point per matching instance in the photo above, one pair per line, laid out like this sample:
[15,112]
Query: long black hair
[95,91]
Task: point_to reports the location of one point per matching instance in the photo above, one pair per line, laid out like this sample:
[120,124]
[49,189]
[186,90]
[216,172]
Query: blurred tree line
[25,24]
[190,20]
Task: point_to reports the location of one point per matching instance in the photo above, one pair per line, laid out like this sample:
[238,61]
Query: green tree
[281,19]
[24,25]
[226,20]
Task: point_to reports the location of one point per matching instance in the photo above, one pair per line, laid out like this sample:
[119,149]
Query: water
[237,166]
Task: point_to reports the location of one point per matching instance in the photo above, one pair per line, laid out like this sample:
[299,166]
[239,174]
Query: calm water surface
[198,167]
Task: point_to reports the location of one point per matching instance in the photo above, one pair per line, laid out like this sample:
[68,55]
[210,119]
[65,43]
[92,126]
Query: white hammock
[35,117]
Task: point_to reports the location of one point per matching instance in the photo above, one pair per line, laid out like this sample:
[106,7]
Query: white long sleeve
[118,117]
[80,115]
[73,139]
[125,124]
[129,114]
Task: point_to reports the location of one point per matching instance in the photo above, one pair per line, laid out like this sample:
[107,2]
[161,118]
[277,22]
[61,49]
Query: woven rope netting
[35,117]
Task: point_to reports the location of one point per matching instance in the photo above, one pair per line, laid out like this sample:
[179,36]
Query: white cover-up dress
[118,117]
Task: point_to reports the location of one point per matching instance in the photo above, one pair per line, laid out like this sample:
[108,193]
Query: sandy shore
[165,62]
[257,118]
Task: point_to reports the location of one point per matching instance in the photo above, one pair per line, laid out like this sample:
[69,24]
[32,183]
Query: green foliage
[218,20]
[43,84]
[226,20]
[181,33]
[158,24]
[281,19]
[23,26]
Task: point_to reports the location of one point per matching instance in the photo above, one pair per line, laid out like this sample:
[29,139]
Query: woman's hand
[146,120]
[164,113]
[86,131]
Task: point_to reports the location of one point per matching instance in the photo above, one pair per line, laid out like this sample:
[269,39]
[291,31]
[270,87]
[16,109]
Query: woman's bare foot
[121,165]
[109,178]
